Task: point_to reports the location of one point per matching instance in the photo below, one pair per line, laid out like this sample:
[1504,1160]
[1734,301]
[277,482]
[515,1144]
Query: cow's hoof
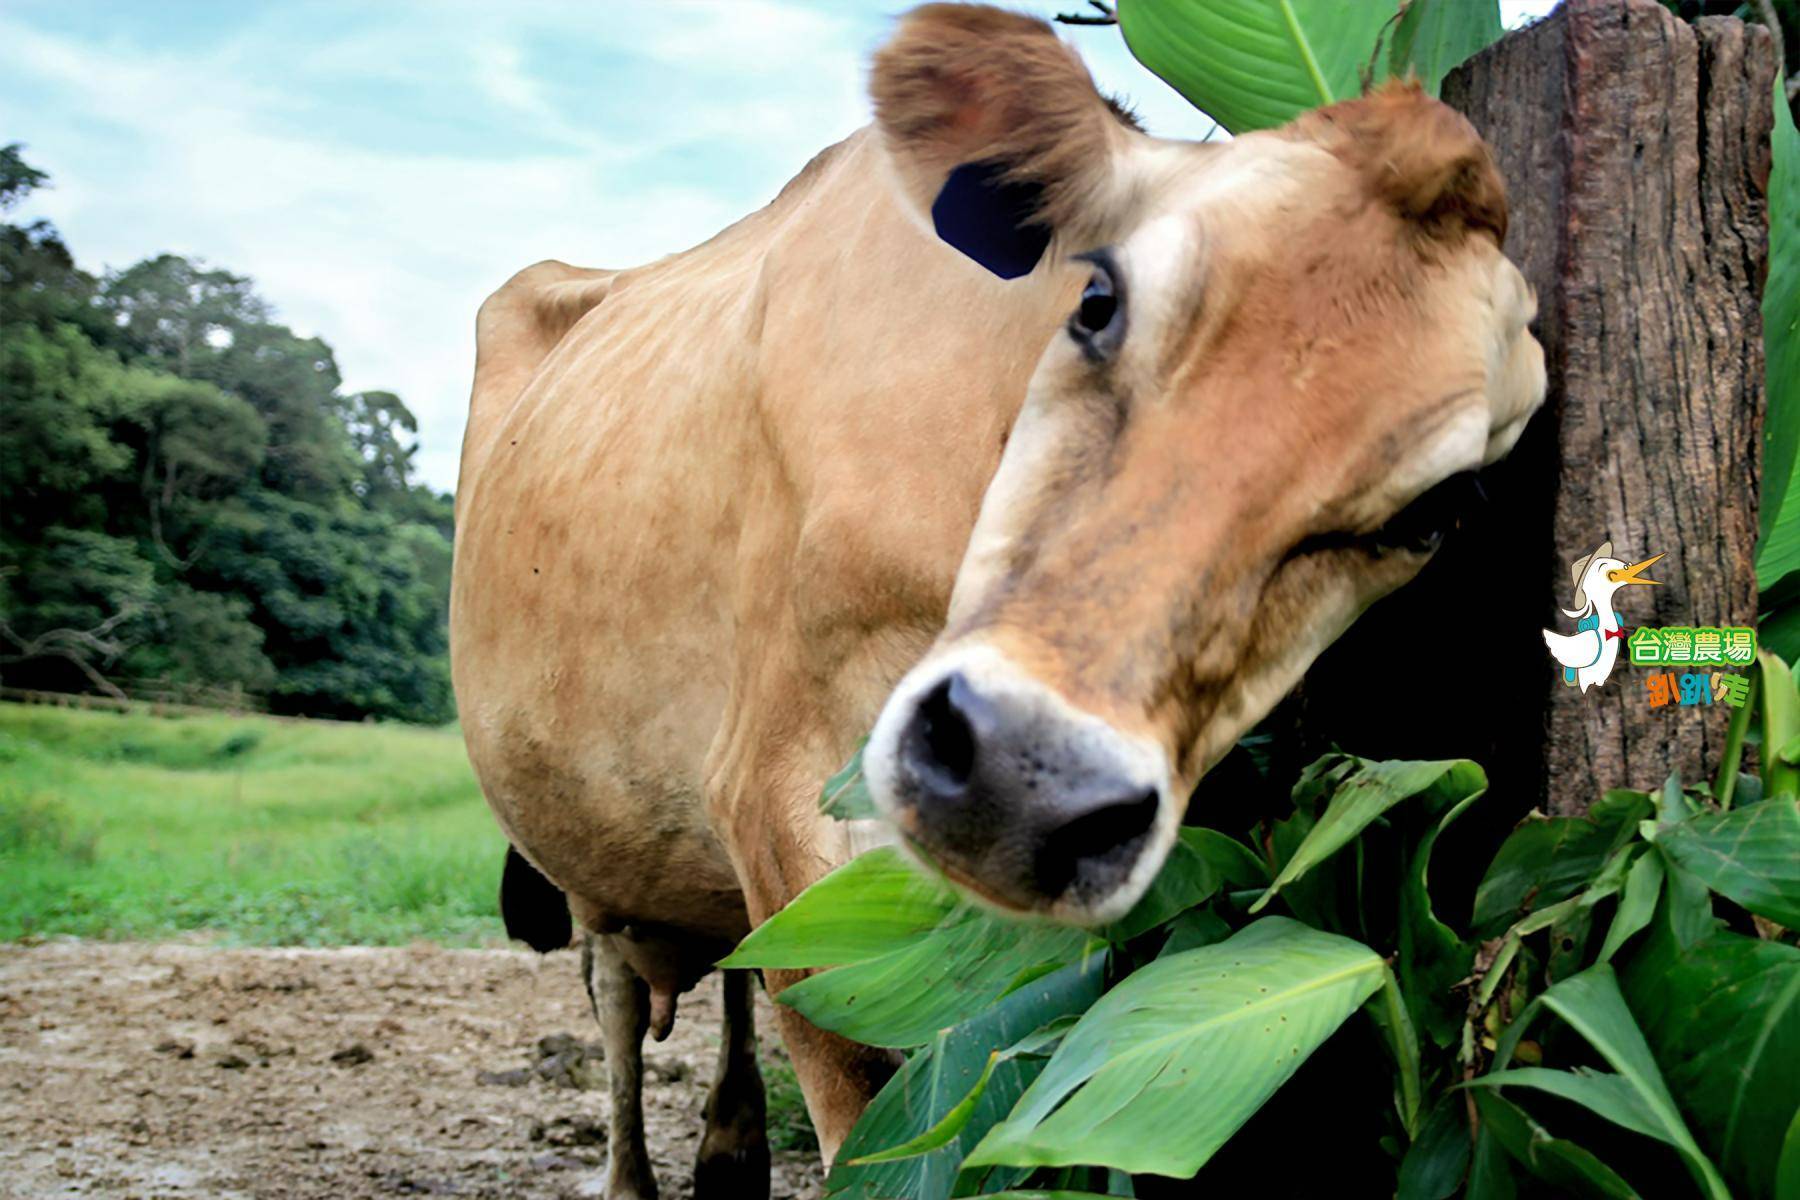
[732,1172]
[623,1182]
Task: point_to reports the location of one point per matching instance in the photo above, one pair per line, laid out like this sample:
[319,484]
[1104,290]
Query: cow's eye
[1098,304]
[1420,526]
[1098,322]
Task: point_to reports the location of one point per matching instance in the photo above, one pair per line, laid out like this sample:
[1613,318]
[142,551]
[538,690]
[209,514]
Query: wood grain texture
[1635,148]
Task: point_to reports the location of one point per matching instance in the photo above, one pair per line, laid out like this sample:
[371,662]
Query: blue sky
[379,168]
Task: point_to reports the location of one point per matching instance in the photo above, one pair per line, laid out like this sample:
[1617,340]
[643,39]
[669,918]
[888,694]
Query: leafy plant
[1614,1006]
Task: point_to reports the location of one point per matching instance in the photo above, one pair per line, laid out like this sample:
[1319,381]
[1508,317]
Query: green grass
[260,832]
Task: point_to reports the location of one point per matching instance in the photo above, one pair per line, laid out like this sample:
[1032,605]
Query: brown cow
[1071,445]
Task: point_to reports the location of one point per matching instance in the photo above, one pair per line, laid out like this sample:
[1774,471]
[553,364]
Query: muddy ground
[193,1071]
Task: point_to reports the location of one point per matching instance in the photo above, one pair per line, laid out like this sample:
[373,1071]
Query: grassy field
[257,831]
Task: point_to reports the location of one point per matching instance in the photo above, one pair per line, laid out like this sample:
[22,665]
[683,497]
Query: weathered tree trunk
[1635,148]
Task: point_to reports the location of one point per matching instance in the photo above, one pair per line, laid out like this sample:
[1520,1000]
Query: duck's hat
[1578,571]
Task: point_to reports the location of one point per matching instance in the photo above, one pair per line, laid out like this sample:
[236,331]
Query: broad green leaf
[1200,863]
[1562,1164]
[1779,552]
[1439,1157]
[1255,64]
[1368,792]
[1593,1006]
[846,795]
[941,1074]
[905,997]
[873,904]
[1636,904]
[1611,1096]
[1039,1044]
[1724,1021]
[1547,859]
[1434,37]
[909,957]
[1750,855]
[1230,1023]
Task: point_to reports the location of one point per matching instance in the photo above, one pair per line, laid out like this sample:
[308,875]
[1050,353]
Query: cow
[1048,450]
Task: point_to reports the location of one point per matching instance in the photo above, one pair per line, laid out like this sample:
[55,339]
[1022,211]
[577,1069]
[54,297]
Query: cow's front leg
[838,1076]
[622,1003]
[791,847]
[734,1154]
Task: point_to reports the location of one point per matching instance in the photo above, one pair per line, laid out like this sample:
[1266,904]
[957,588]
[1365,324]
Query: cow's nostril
[944,741]
[1098,848]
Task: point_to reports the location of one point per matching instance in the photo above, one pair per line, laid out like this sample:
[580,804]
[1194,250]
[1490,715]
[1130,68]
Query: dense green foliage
[1613,1010]
[187,496]
[256,830]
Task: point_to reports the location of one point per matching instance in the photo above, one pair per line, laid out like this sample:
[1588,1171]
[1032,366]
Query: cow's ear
[996,134]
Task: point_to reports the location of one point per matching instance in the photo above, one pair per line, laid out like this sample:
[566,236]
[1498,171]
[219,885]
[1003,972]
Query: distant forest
[188,499]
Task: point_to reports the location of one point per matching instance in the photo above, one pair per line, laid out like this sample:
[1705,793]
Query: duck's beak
[1630,574]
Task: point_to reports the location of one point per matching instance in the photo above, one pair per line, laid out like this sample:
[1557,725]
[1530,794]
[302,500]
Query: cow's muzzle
[1026,801]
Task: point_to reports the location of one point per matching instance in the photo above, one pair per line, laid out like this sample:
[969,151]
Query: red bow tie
[1613,633]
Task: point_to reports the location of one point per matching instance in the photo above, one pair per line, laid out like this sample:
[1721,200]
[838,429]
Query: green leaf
[871,905]
[1039,1044]
[1193,929]
[1489,1176]
[1728,778]
[1548,859]
[941,1074]
[1255,64]
[1750,855]
[1387,1009]
[1566,1166]
[1636,906]
[914,957]
[1365,794]
[1787,1169]
[1611,1096]
[1779,553]
[1593,1006]
[1235,1019]
[1439,1157]
[1199,864]
[1724,1021]
[1432,958]
[905,997]
[846,795]
[1436,36]
[1780,724]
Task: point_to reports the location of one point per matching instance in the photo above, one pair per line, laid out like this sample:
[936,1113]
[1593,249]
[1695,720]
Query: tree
[186,494]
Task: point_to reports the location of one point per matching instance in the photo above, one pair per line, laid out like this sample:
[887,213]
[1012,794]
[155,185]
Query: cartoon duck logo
[1587,655]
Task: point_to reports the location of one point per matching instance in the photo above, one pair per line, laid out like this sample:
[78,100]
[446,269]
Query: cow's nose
[1017,803]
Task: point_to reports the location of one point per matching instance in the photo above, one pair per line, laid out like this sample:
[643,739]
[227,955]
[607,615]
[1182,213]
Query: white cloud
[387,255]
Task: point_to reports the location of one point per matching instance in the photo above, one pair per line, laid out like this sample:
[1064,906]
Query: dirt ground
[192,1071]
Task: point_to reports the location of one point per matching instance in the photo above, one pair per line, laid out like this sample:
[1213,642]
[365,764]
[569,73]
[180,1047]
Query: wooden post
[1636,152]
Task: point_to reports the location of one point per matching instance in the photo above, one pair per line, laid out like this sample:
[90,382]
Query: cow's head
[1282,353]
